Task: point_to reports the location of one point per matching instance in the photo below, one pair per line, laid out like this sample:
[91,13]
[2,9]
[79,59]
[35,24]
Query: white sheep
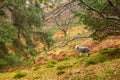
[82,49]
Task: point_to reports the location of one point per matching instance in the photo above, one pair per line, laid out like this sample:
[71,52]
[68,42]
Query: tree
[101,16]
[19,19]
[63,21]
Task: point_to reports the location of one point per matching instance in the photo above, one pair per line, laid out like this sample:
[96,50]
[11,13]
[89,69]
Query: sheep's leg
[80,54]
[88,54]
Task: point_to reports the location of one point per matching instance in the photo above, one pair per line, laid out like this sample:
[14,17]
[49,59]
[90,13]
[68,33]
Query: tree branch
[100,13]
[56,12]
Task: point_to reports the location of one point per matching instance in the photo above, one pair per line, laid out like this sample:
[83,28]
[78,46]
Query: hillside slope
[104,65]
[65,63]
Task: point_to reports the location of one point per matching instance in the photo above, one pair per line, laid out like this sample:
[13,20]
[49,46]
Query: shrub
[20,74]
[8,59]
[13,59]
[61,71]
[2,62]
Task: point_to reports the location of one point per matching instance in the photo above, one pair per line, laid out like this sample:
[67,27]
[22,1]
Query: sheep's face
[76,46]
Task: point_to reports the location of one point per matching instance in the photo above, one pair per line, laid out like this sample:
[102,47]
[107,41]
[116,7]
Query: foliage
[7,31]
[18,20]
[7,59]
[20,74]
[45,37]
[15,60]
[2,62]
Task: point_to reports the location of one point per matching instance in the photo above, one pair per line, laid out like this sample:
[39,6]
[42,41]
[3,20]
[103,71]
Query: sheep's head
[76,46]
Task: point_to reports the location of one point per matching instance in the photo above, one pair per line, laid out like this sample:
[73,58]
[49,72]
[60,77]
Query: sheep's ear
[76,46]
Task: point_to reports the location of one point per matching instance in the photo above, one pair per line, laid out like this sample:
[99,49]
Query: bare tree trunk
[33,60]
[65,33]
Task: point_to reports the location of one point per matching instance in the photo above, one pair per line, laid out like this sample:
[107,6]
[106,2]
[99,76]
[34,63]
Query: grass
[36,68]
[20,74]
[60,72]
[90,62]
[104,55]
[101,65]
[51,64]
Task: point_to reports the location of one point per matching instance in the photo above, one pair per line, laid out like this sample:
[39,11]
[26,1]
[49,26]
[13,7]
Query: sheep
[82,49]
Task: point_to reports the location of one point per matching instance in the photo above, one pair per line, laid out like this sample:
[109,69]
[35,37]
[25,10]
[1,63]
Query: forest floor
[65,63]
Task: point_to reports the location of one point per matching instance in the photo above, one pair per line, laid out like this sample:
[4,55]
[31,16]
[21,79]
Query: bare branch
[69,40]
[56,12]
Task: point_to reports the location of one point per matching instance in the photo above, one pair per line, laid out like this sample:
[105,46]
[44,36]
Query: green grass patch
[36,68]
[90,62]
[37,77]
[104,55]
[102,59]
[105,50]
[51,64]
[79,56]
[60,72]
[60,67]
[76,79]
[20,74]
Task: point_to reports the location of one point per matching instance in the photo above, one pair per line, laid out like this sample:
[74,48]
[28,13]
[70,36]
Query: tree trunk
[33,60]
[65,34]
[3,47]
